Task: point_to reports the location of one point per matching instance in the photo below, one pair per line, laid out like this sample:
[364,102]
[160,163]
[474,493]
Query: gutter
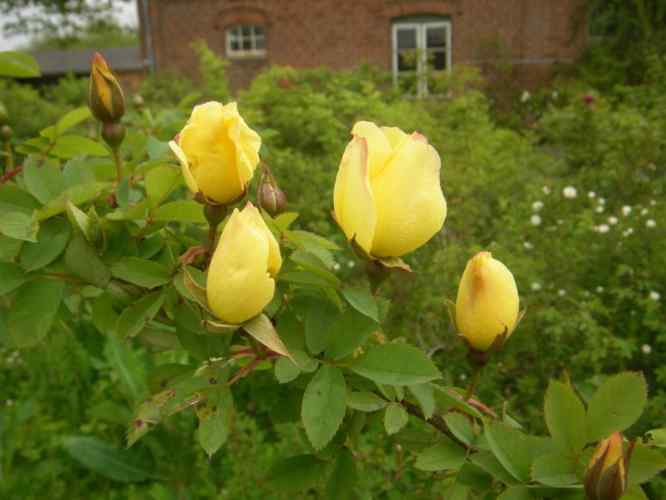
[148,37]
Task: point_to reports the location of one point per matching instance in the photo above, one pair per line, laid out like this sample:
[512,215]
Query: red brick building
[532,34]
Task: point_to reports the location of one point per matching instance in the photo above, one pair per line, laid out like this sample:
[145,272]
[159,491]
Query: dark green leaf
[445,455]
[82,261]
[516,493]
[296,473]
[396,364]
[365,401]
[460,426]
[135,316]
[363,301]
[35,307]
[565,417]
[348,331]
[160,182]
[395,418]
[141,272]
[104,317]
[11,277]
[324,405]
[180,211]
[215,417]
[52,239]
[286,370]
[424,394]
[128,367]
[319,318]
[341,483]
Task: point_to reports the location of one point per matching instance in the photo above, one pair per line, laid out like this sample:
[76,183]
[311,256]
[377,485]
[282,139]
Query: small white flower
[535,286]
[555,94]
[612,220]
[644,211]
[601,201]
[599,209]
[599,289]
[560,222]
[655,296]
[537,205]
[628,232]
[591,194]
[646,348]
[603,228]
[546,190]
[535,220]
[653,203]
[351,264]
[561,292]
[9,402]
[528,245]
[336,267]
[525,97]
[650,223]
[586,293]
[463,376]
[626,210]
[570,192]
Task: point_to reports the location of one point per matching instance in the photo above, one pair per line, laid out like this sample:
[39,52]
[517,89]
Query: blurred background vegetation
[564,184]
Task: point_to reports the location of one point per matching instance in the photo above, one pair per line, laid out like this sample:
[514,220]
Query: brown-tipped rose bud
[113,134]
[105,96]
[6,132]
[271,197]
[4,115]
[606,474]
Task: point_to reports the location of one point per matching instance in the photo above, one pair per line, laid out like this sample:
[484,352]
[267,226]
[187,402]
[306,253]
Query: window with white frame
[246,40]
[421,49]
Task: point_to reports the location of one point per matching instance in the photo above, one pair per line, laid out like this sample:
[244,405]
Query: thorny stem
[436,421]
[474,382]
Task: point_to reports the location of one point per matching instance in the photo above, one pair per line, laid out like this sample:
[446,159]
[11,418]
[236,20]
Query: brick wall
[345,33]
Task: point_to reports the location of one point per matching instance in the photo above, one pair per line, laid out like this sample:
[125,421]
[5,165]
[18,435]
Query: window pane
[259,43]
[258,30]
[247,43]
[406,38]
[437,60]
[407,60]
[234,44]
[247,30]
[436,37]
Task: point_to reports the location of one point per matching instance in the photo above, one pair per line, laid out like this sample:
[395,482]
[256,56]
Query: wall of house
[344,33]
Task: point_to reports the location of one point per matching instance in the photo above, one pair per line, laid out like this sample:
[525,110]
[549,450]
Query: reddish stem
[7,176]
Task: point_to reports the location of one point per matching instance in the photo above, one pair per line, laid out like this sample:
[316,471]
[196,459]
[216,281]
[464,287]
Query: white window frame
[235,31]
[421,28]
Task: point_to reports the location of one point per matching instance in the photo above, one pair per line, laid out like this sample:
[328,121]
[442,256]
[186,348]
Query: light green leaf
[44,180]
[396,364]
[645,463]
[11,277]
[77,195]
[18,65]
[68,121]
[160,182]
[82,261]
[565,417]
[34,311]
[52,240]
[141,272]
[348,331]
[104,317]
[286,370]
[262,329]
[69,146]
[445,455]
[555,469]
[514,449]
[424,394]
[180,211]
[365,401]
[657,437]
[19,225]
[395,418]
[324,405]
[460,427]
[215,417]
[363,301]
[616,405]
[319,318]
[128,366]
[135,316]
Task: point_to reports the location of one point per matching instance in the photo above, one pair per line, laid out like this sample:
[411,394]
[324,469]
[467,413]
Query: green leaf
[348,331]
[128,366]
[616,405]
[34,310]
[286,370]
[43,180]
[516,493]
[81,221]
[77,195]
[104,317]
[296,473]
[141,272]
[396,364]
[555,469]
[135,316]
[365,401]
[514,449]
[635,493]
[18,65]
[160,182]
[261,328]
[13,199]
[117,464]
[215,417]
[363,301]
[319,318]
[395,418]
[657,437]
[52,239]
[565,417]
[424,394]
[343,478]
[445,455]
[489,463]
[645,463]
[449,398]
[82,261]
[180,211]
[324,405]
[69,146]
[19,226]
[460,427]
[457,492]
[11,277]
[68,121]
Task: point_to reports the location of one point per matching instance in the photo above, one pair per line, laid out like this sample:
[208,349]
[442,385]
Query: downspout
[148,37]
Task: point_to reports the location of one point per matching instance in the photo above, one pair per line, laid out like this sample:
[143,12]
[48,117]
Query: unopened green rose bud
[113,134]
[606,474]
[4,115]
[270,197]
[6,132]
[105,96]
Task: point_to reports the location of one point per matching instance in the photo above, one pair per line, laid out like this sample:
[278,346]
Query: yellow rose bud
[487,303]
[606,474]
[387,196]
[247,258]
[218,152]
[105,96]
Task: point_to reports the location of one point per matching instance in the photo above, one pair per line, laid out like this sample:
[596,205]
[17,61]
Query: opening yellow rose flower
[241,274]
[218,152]
[388,196]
